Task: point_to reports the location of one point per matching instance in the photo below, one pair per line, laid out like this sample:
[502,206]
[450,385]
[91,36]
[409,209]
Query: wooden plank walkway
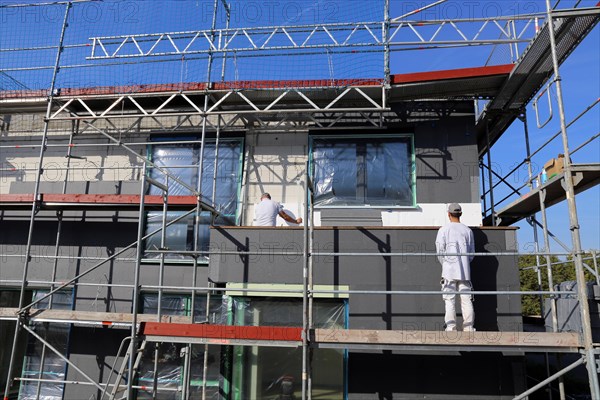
[180,329]
[105,318]
[441,340]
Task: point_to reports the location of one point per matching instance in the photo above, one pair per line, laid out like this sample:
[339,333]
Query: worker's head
[454,210]
[265,196]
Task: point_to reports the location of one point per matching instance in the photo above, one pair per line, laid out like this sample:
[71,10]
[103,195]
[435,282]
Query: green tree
[530,304]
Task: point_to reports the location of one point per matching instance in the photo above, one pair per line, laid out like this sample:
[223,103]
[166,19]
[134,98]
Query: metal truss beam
[332,37]
[357,99]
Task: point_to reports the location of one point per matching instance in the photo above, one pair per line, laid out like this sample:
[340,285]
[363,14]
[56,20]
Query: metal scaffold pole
[386,48]
[490,180]
[561,383]
[574,221]
[305,310]
[311,241]
[136,289]
[34,209]
[161,278]
[538,271]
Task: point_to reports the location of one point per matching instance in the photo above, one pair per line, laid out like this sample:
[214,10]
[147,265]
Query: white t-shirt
[455,237]
[266,212]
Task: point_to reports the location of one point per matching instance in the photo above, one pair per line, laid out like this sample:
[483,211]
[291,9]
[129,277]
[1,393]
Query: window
[363,171]
[261,372]
[183,161]
[10,298]
[171,356]
[244,372]
[41,362]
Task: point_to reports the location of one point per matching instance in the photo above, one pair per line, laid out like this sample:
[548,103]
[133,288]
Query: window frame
[257,291]
[193,141]
[365,138]
[186,299]
[67,327]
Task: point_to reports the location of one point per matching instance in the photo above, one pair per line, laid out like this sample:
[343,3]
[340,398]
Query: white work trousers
[466,304]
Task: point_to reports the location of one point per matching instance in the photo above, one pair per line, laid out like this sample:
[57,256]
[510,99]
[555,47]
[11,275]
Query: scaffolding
[216,108]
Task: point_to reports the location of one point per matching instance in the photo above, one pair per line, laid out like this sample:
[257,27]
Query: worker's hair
[456,215]
[266,195]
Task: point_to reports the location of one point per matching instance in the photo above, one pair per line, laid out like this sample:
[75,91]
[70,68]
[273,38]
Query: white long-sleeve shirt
[452,238]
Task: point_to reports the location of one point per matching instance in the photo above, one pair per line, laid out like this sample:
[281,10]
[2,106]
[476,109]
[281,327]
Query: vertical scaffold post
[59,217]
[561,380]
[523,118]
[224,54]
[385,33]
[574,222]
[311,242]
[161,279]
[489,160]
[386,40]
[483,187]
[305,331]
[36,190]
[187,364]
[136,288]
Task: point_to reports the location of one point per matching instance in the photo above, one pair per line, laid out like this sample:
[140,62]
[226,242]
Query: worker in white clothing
[267,210]
[456,238]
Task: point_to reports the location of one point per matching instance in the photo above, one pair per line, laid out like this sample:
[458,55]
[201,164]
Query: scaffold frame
[219,108]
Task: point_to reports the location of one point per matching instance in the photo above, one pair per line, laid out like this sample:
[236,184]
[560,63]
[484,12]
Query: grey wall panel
[94,240]
[373,272]
[93,350]
[446,161]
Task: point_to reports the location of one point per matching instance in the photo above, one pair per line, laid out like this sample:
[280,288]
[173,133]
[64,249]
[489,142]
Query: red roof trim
[208,331]
[269,84]
[451,74]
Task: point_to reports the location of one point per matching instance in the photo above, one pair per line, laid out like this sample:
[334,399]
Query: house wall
[447,171]
[375,273]
[446,160]
[392,374]
[445,154]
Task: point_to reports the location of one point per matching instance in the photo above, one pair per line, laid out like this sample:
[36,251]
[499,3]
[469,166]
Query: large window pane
[41,362]
[178,161]
[389,177]
[335,172]
[170,356]
[227,178]
[363,171]
[275,372]
[182,161]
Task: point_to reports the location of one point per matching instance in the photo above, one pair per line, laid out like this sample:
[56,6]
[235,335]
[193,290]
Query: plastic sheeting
[275,373]
[180,235]
[273,311]
[244,372]
[358,172]
[182,162]
[49,366]
[171,356]
[180,304]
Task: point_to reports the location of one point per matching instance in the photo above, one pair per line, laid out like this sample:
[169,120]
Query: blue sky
[580,73]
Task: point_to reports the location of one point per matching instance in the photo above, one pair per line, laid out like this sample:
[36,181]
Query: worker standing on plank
[456,238]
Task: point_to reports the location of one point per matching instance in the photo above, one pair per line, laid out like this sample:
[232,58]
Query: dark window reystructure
[363,171]
[183,162]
